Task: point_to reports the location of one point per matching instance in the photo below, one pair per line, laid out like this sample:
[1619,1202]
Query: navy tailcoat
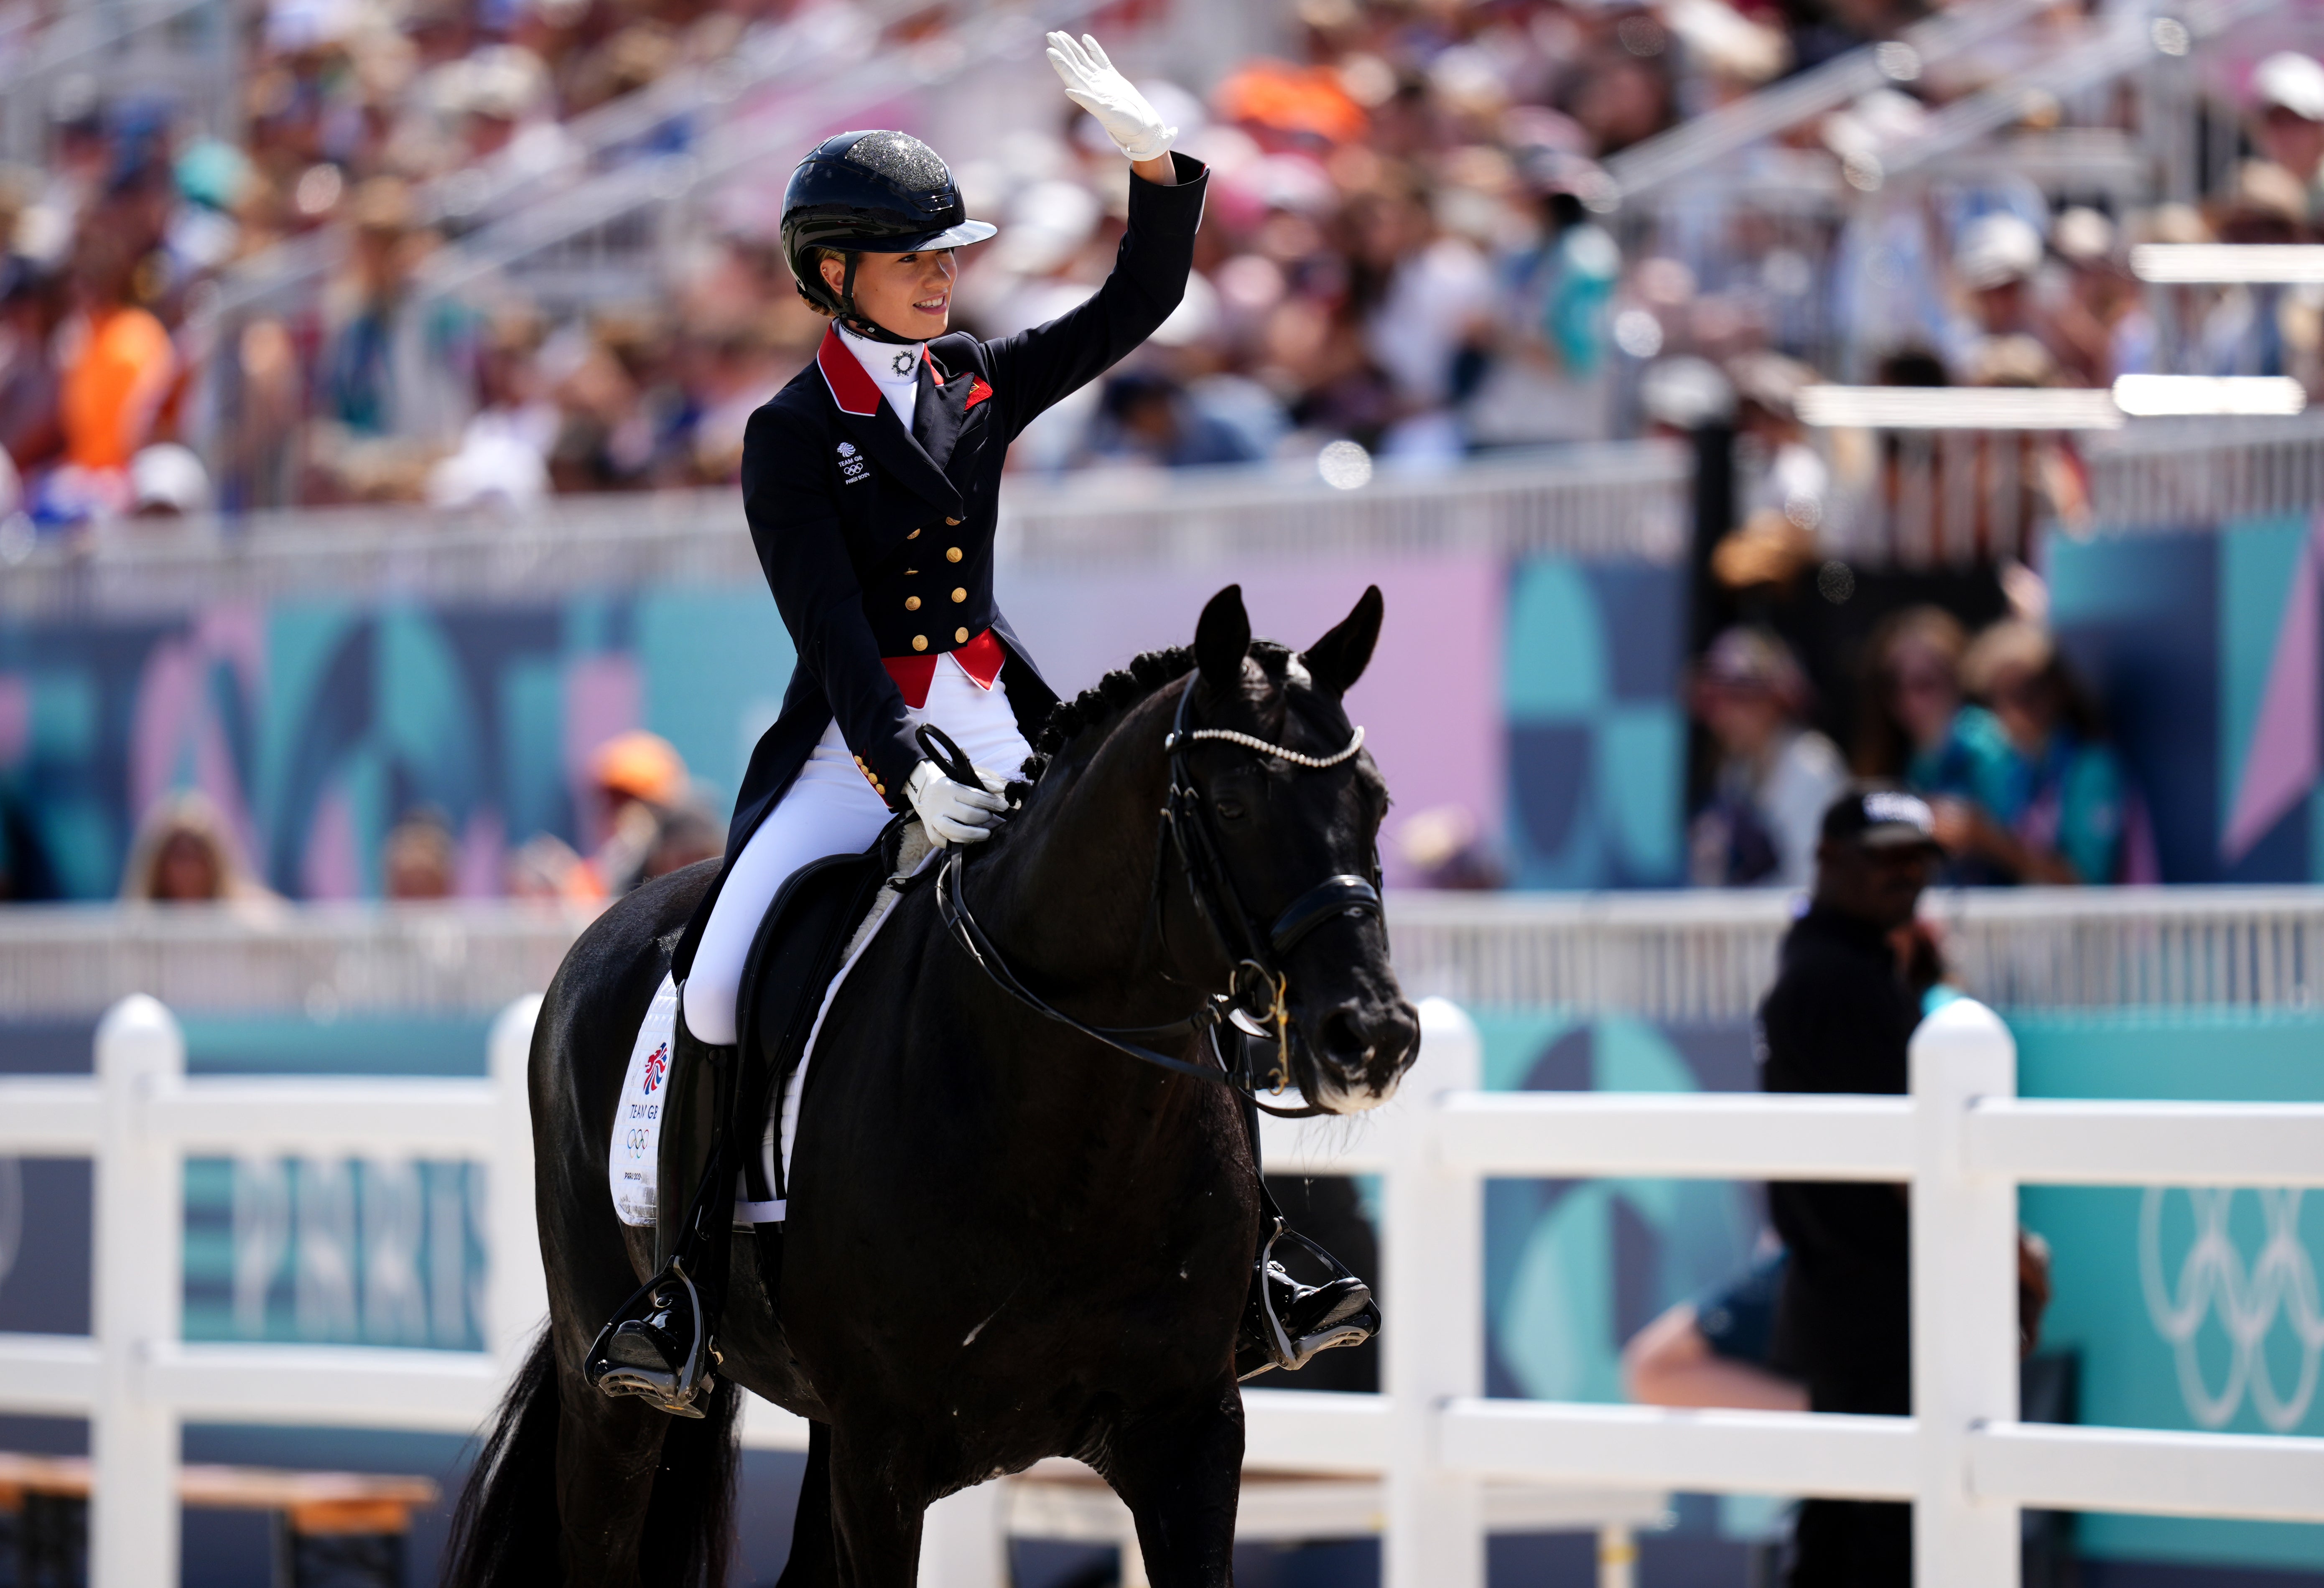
[877,541]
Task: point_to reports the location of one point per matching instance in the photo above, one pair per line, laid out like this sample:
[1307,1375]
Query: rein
[1217,900]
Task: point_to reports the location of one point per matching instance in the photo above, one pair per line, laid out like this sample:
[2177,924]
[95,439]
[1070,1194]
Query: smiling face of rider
[908,294]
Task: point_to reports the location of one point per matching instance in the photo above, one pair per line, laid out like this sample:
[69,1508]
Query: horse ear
[1338,659]
[1222,639]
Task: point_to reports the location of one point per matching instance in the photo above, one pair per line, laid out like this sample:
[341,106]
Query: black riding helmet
[869,193]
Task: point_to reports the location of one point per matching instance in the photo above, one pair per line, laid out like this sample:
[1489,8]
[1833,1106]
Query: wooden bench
[1064,1499]
[335,1525]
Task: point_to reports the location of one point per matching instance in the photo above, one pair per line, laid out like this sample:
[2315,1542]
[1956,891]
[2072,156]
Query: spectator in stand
[1792,477]
[1551,375]
[1146,418]
[118,367]
[420,860]
[686,836]
[503,459]
[1908,700]
[1442,849]
[2100,323]
[2030,792]
[1426,298]
[184,853]
[389,367]
[1996,263]
[31,308]
[1775,776]
[2288,119]
[641,781]
[545,869]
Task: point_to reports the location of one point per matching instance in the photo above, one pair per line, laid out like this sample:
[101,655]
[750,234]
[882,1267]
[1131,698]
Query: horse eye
[1230,809]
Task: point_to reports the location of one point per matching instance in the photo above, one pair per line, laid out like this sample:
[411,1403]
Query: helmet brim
[959,237]
[953,237]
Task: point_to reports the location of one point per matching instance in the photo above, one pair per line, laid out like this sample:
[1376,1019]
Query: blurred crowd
[647,816]
[1412,242]
[1994,730]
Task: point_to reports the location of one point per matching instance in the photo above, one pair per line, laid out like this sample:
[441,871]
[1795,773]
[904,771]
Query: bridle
[1257,1001]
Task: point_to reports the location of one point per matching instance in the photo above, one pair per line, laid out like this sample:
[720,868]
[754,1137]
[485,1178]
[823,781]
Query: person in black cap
[1839,1018]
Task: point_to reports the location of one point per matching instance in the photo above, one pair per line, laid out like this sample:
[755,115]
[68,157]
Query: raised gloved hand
[953,813]
[1092,83]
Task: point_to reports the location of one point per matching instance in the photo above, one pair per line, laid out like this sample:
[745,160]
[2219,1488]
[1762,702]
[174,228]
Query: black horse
[1008,1241]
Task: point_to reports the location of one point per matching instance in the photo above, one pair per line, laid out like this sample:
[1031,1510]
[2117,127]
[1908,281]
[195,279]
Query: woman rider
[871,484]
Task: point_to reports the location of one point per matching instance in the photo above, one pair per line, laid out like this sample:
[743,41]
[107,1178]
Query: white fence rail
[1701,957]
[1962,1139]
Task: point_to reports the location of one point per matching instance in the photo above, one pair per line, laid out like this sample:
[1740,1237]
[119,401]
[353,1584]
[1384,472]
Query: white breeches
[828,810]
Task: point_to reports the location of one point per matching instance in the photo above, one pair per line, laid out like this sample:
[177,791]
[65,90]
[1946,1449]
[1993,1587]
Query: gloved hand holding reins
[1092,83]
[954,812]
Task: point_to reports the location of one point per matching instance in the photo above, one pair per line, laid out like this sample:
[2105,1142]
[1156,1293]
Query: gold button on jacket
[960,637]
[951,553]
[920,641]
[912,603]
[960,595]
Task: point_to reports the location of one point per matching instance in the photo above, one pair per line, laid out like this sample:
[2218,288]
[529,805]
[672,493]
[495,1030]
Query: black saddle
[792,960]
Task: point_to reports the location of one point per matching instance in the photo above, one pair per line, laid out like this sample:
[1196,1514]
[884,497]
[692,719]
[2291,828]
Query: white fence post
[517,1287]
[140,1230]
[1432,1341]
[964,1539]
[1964,1299]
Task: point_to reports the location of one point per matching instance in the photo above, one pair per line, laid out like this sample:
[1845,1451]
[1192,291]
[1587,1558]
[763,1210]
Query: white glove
[1092,83]
[953,813]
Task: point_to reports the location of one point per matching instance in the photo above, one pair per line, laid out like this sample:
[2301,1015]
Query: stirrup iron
[632,1354]
[1285,1324]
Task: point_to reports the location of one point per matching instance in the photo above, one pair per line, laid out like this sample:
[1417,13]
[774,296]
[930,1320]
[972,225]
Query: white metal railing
[1961,1138]
[1707,956]
[1939,498]
[2200,473]
[1703,143]
[1619,499]
[1699,957]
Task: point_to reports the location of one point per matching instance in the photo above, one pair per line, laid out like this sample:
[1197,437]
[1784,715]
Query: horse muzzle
[1360,1049]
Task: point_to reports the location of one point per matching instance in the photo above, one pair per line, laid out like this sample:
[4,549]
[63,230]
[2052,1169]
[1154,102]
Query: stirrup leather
[1286,1323]
[656,1347]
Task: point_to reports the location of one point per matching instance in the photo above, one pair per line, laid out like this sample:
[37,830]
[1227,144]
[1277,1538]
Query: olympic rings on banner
[2281,1283]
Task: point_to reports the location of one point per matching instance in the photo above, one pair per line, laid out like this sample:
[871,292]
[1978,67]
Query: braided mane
[1097,709]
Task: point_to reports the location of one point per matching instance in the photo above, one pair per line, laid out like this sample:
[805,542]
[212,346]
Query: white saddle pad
[637,1124]
[636,1153]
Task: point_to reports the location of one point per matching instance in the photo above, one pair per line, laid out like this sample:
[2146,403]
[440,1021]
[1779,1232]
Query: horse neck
[1073,900]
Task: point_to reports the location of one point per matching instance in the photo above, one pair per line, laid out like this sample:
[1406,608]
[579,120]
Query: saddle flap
[798,950]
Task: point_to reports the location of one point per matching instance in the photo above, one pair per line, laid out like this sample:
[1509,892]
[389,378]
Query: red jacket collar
[852,386]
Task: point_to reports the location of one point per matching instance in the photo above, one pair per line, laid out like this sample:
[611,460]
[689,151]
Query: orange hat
[643,765]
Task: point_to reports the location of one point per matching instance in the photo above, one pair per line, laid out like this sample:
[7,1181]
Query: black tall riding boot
[661,1343]
[1286,1323]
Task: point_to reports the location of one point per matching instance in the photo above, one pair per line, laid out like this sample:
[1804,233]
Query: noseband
[1257,990]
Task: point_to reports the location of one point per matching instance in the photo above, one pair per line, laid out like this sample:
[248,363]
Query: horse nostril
[1345,1042]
